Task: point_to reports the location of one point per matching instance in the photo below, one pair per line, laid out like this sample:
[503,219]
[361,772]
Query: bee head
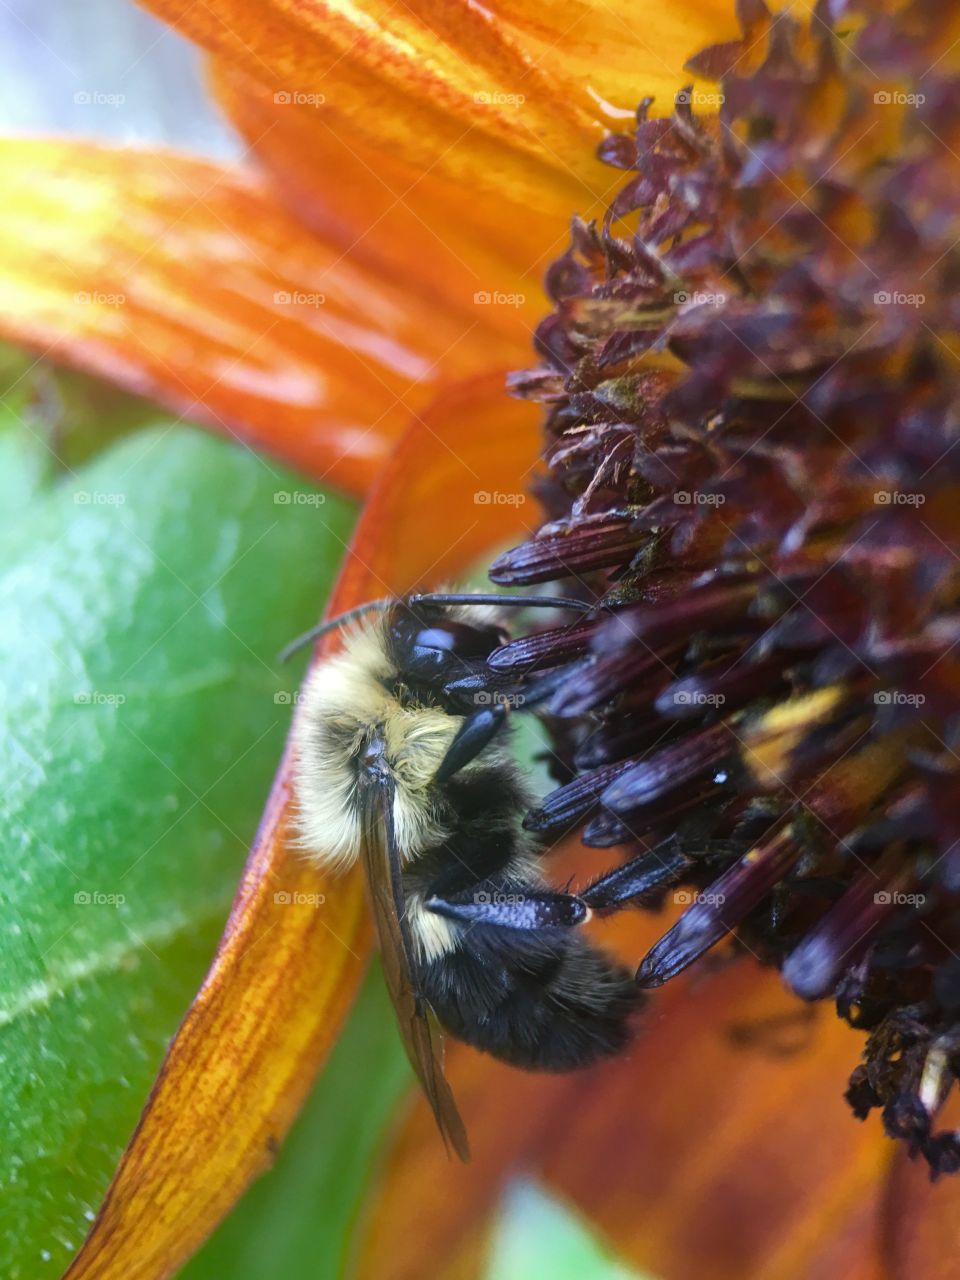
[429,644]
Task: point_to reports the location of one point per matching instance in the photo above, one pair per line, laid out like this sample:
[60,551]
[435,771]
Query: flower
[751,382]
[317,319]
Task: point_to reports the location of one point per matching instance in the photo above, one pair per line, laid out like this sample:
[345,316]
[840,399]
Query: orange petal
[719,1146]
[443,239]
[508,99]
[432,211]
[753,1144]
[922,1219]
[285,974]
[189,283]
[508,1115]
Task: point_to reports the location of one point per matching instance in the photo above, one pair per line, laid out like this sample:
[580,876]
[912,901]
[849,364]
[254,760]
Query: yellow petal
[188,283]
[285,973]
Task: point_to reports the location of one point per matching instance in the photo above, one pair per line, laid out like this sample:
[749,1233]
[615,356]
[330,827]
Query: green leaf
[142,602]
[297,1220]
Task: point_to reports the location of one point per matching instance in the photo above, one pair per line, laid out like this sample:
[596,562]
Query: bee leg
[537,909]
[641,877]
[474,734]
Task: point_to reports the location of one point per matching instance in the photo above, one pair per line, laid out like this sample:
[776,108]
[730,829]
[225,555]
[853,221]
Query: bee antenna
[466,597]
[331,624]
[478,597]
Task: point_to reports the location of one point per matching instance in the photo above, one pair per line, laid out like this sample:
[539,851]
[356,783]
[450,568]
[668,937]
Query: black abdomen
[551,1002]
[540,998]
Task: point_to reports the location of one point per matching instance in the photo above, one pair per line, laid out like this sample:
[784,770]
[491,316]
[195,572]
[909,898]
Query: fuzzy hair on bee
[349,698]
[396,766]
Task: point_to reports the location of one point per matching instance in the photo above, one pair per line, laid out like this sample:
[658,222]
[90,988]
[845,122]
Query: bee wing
[381,862]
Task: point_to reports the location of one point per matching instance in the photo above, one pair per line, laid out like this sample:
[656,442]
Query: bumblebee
[401,760]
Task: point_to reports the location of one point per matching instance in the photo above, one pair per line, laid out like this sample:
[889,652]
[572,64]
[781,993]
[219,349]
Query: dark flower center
[751,385]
